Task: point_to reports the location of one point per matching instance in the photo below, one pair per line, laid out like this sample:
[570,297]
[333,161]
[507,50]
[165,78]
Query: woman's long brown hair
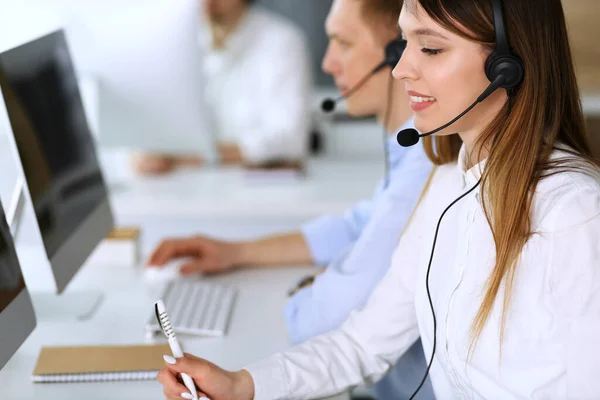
[543,112]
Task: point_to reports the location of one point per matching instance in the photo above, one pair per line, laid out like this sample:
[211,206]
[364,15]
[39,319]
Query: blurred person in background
[356,246]
[258,89]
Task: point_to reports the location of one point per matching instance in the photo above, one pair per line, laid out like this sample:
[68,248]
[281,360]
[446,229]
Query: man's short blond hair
[382,15]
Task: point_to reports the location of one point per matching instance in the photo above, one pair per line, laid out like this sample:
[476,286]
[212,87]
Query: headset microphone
[393,53]
[502,68]
[410,137]
[328,105]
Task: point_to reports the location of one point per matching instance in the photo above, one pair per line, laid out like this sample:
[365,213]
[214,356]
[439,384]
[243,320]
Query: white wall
[24,20]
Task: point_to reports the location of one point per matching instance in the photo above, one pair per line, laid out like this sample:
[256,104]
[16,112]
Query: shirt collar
[395,151]
[217,59]
[472,175]
[236,41]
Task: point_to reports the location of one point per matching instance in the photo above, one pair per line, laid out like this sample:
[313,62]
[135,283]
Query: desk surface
[256,329]
[330,186]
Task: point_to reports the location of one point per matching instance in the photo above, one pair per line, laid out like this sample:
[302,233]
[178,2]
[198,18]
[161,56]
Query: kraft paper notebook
[99,363]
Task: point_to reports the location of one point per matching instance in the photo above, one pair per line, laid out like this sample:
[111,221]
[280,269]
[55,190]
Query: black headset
[393,52]
[502,62]
[504,70]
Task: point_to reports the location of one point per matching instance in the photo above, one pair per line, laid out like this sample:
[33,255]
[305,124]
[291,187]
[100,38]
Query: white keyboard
[196,308]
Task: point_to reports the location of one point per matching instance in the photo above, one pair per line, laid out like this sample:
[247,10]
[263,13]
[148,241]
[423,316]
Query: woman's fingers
[171,386]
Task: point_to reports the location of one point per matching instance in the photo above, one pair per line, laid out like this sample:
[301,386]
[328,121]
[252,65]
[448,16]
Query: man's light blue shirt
[357,247]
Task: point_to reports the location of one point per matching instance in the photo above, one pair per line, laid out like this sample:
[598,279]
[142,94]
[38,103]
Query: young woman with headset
[507,297]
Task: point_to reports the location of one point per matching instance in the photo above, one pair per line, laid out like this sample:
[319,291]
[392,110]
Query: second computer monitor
[146,62]
[17,318]
[57,152]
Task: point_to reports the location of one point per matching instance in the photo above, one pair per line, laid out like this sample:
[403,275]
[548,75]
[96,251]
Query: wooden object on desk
[124,234]
[121,247]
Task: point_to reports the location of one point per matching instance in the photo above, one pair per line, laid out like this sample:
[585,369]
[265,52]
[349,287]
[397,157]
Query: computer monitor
[17,318]
[57,152]
[146,62]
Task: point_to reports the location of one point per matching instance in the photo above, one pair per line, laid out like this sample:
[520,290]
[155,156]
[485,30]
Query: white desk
[256,329]
[330,186]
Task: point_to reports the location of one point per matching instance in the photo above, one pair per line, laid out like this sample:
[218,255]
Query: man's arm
[212,256]
[349,281]
[329,235]
[318,242]
[285,249]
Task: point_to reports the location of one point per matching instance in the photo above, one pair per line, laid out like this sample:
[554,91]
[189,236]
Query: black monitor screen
[56,148]
[11,279]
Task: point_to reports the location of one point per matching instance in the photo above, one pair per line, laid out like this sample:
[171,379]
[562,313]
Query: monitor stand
[69,306]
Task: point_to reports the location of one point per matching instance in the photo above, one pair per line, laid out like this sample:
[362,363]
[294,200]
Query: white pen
[165,323]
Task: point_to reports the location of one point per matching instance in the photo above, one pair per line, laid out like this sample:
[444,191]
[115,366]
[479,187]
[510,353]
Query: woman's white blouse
[551,347]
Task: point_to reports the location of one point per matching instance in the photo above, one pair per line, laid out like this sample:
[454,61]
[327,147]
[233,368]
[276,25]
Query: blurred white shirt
[259,86]
[552,337]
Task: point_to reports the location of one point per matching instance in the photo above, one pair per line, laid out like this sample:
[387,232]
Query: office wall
[310,16]
[593,126]
[583,18]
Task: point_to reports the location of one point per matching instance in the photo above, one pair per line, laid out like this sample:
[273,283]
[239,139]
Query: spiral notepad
[99,363]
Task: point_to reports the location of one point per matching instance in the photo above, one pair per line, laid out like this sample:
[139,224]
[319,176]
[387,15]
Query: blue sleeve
[347,284]
[329,235]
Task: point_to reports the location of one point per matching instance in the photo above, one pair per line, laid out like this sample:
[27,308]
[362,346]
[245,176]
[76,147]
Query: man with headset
[357,246]
[259,111]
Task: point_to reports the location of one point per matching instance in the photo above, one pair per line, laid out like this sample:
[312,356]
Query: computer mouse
[167,272]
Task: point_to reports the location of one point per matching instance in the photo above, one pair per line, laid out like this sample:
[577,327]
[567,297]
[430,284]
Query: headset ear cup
[489,63]
[508,66]
[394,51]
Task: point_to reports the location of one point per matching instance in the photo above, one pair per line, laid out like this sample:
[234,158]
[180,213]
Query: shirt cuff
[269,379]
[326,237]
[253,151]
[298,329]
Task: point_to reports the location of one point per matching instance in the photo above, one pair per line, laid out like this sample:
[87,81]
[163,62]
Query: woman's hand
[211,381]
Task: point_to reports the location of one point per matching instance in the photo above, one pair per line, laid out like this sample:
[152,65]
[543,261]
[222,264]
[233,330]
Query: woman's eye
[431,52]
